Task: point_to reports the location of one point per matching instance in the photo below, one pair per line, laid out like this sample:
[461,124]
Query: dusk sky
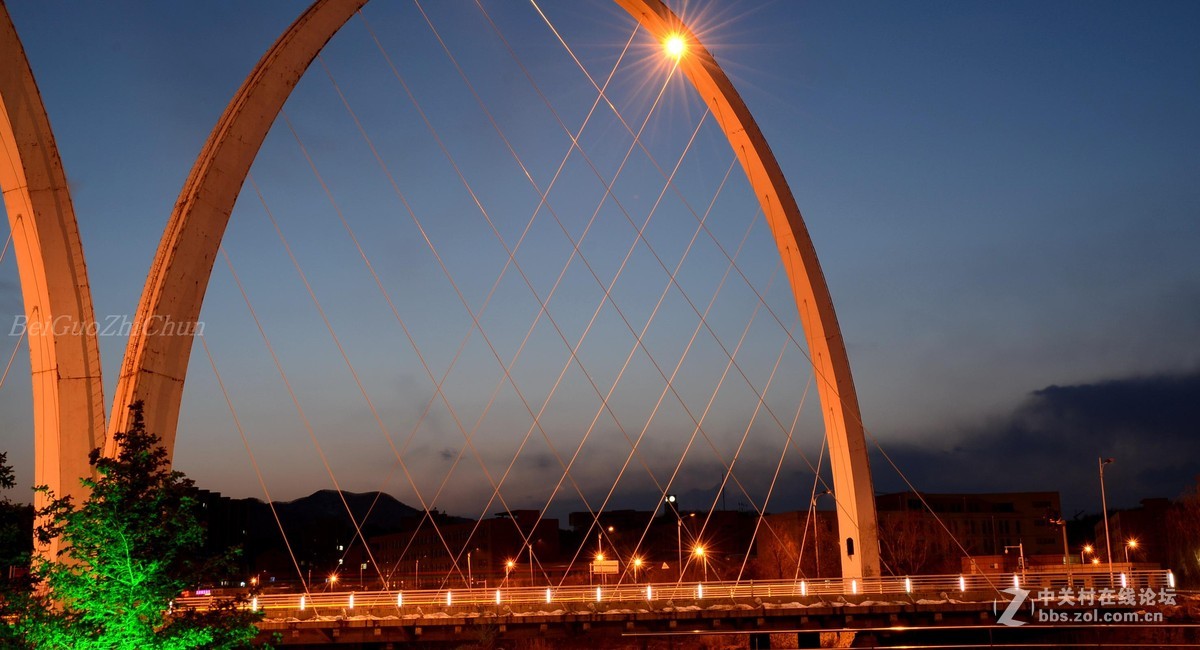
[1003,196]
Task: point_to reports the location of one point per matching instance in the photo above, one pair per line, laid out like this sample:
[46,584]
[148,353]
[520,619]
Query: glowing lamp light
[254,603]
[675,46]
[599,557]
[698,551]
[1095,560]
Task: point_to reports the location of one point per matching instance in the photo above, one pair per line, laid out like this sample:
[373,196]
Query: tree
[913,542]
[16,524]
[124,555]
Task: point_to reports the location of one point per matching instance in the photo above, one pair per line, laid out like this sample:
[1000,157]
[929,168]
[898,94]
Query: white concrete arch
[155,366]
[68,400]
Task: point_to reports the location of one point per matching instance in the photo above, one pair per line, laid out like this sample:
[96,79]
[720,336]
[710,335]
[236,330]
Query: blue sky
[1002,195]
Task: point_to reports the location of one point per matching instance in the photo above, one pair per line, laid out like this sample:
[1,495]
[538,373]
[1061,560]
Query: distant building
[927,533]
[986,523]
[426,557]
[1145,526]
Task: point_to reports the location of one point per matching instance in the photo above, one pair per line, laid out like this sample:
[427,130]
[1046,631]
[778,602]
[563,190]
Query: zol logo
[1019,595]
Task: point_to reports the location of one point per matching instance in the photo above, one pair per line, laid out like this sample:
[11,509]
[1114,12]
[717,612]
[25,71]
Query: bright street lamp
[1130,544]
[1087,548]
[698,551]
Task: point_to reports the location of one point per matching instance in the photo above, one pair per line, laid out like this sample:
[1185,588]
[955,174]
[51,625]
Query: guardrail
[941,586]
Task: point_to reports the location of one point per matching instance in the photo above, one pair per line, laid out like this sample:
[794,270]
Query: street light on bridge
[1104,504]
[698,551]
[1130,544]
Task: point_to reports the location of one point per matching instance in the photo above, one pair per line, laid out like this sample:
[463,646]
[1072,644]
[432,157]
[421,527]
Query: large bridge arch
[68,401]
[155,365]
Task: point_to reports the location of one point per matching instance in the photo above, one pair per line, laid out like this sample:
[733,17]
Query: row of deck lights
[803,586]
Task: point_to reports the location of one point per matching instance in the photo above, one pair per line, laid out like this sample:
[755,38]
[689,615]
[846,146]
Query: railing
[697,593]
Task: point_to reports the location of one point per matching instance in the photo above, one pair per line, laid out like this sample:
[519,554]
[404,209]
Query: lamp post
[1104,504]
[1130,544]
[531,565]
[699,552]
[1020,556]
[470,582]
[817,529]
[1087,548]
[637,564]
[670,500]
[1059,521]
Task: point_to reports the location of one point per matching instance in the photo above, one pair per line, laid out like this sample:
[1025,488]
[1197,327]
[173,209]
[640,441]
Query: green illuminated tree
[124,554]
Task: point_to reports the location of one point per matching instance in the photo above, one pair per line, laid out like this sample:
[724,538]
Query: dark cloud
[1053,441]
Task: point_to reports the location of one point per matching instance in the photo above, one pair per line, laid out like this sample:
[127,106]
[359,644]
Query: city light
[333,578]
[599,557]
[675,45]
[698,551]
